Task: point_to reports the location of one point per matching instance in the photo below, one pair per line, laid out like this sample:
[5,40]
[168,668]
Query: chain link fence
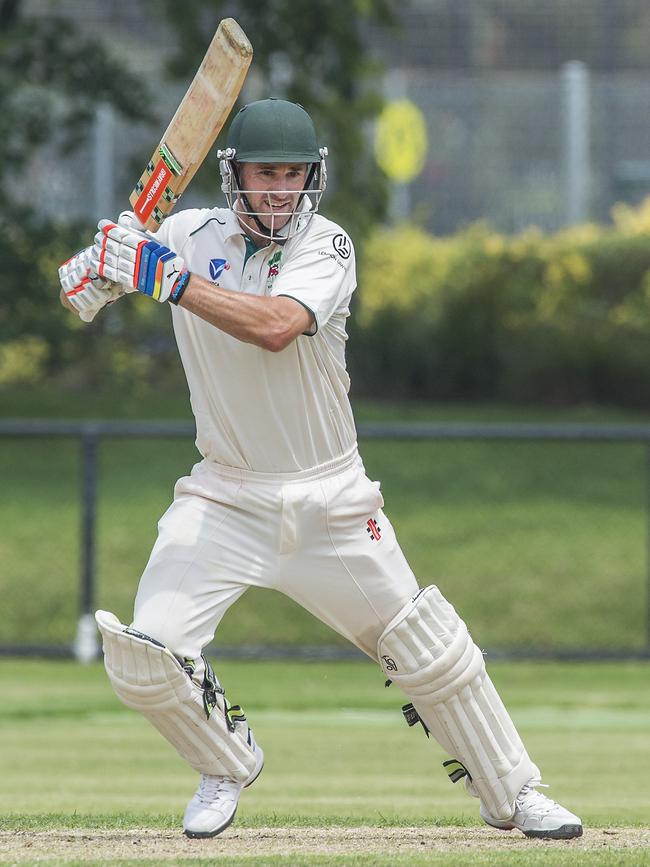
[490,80]
[497,151]
[500,148]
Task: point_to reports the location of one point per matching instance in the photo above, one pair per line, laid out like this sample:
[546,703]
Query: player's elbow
[285,320]
[277,338]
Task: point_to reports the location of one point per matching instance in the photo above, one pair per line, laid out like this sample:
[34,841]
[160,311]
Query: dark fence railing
[90,433]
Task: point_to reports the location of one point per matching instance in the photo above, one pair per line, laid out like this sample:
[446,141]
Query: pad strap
[428,652]
[147,677]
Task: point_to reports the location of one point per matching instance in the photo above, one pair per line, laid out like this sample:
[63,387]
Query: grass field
[537,544]
[346,782]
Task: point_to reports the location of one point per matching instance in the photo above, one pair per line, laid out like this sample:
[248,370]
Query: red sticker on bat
[154,189]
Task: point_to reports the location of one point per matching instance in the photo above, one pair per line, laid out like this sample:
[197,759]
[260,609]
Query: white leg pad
[147,677]
[428,652]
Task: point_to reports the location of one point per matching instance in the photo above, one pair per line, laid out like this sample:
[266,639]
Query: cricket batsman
[259,294]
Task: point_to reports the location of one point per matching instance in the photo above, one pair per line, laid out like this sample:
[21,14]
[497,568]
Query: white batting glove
[128,220]
[133,259]
[85,290]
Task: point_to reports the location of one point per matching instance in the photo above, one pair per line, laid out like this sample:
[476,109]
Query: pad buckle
[456,770]
[412,717]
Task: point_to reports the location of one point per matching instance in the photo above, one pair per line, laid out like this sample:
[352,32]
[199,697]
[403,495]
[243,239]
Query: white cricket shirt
[280,412]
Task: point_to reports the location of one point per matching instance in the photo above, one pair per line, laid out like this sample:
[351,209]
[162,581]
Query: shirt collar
[233,226]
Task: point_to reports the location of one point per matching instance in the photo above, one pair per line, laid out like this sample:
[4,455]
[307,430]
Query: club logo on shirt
[217,267]
[274,268]
[374,530]
[342,245]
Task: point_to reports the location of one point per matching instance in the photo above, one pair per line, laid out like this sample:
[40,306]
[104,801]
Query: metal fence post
[647,550]
[104,160]
[86,645]
[575,90]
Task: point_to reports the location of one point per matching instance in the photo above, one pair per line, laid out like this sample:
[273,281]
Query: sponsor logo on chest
[217,267]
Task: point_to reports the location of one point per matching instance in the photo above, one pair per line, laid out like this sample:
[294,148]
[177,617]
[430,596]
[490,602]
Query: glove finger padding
[128,220]
[84,289]
[114,254]
[115,251]
[133,258]
[76,269]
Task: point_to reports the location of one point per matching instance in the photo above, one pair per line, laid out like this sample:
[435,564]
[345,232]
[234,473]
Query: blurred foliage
[477,315]
[22,361]
[52,76]
[555,319]
[54,72]
[563,318]
[311,52]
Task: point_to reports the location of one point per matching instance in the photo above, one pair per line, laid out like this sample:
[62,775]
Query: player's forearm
[269,322]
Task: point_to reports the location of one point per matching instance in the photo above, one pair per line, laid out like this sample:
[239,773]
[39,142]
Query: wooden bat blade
[196,124]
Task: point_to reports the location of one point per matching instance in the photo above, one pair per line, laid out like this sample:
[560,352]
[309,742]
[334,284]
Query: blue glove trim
[151,268]
[146,273]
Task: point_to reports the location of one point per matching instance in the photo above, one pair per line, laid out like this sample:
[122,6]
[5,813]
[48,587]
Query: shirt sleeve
[319,274]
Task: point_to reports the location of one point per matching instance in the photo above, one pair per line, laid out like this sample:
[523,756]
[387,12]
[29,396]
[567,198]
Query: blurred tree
[54,71]
[52,76]
[311,52]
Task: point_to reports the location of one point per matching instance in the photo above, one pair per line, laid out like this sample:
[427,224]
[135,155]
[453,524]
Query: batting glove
[124,255]
[85,290]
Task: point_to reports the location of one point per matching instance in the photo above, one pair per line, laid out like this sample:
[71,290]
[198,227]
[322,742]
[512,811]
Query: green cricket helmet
[273,131]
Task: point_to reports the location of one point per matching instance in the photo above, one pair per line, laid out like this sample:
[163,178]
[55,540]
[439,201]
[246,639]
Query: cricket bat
[196,124]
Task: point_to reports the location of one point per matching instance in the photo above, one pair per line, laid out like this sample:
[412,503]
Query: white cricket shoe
[538,816]
[214,804]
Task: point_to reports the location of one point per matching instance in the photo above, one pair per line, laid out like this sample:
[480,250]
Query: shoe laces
[530,799]
[211,788]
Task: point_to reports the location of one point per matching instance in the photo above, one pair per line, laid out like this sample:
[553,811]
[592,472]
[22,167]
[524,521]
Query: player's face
[273,190]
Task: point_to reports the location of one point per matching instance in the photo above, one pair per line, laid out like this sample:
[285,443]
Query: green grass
[531,541]
[338,751]
[57,402]
[338,755]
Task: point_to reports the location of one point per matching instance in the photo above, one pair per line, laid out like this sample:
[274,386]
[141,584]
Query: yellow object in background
[401,140]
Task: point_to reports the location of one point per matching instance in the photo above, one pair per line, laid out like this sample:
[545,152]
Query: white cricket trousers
[319,536]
